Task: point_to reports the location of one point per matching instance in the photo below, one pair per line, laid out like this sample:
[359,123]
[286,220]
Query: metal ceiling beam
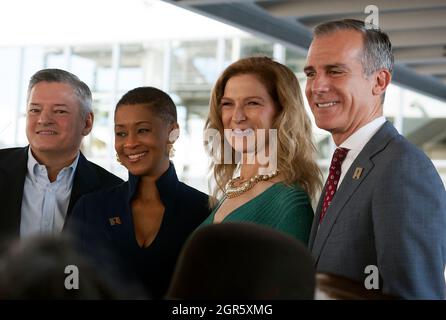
[433,54]
[417,38]
[205,2]
[328,7]
[388,21]
[431,132]
[249,17]
[430,86]
[430,69]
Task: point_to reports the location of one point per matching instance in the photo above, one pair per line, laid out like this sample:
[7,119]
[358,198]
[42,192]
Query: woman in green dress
[262,152]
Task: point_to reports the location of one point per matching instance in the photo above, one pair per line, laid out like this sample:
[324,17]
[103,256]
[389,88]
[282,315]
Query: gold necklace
[232,191]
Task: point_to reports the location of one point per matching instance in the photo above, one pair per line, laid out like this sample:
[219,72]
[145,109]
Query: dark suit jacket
[393,217]
[103,226]
[13,167]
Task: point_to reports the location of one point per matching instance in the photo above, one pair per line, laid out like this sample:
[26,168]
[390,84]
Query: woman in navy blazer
[136,230]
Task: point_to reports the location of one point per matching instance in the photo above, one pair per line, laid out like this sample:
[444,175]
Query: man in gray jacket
[381,219]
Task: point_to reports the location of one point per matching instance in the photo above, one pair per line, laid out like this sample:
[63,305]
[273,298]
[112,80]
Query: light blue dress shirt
[45,203]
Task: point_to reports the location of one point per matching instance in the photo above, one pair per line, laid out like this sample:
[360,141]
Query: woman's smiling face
[246,107]
[141,139]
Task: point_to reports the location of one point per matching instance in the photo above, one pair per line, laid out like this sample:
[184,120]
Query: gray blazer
[393,217]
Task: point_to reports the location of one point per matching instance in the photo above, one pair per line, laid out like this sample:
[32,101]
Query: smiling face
[54,123]
[141,139]
[246,107]
[342,98]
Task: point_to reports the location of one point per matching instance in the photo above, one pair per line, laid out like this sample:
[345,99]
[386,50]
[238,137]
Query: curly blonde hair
[295,150]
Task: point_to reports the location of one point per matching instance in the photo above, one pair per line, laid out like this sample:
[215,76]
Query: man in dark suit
[40,183]
[381,219]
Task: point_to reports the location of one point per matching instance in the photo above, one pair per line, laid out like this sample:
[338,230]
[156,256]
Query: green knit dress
[284,208]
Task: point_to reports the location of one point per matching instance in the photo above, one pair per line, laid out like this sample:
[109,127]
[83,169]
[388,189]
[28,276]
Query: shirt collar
[166,184]
[34,166]
[359,139]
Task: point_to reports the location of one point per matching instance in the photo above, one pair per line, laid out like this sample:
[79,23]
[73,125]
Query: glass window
[93,65]
[56,58]
[296,62]
[10,94]
[131,72]
[194,63]
[255,47]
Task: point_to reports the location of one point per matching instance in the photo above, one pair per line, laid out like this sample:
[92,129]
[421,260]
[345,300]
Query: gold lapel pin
[114,220]
[357,173]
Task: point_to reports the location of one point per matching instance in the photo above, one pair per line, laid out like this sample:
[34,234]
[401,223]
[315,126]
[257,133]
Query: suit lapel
[18,171]
[348,187]
[85,181]
[315,225]
[346,190]
[13,181]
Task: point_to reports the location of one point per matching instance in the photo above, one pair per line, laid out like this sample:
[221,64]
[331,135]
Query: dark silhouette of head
[242,261]
[44,267]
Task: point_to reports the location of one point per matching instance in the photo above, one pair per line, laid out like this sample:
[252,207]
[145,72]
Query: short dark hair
[81,90]
[377,52]
[157,100]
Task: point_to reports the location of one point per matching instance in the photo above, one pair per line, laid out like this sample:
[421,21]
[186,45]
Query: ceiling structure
[416,28]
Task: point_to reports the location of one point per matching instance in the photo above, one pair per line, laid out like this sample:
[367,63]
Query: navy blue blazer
[88,177]
[103,228]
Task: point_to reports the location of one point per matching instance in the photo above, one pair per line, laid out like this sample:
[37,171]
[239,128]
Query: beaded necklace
[232,191]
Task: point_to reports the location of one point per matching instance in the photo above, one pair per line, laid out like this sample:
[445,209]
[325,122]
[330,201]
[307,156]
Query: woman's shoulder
[92,209]
[105,196]
[191,194]
[191,200]
[293,191]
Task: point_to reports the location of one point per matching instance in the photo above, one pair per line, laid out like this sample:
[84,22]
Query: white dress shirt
[356,143]
[45,203]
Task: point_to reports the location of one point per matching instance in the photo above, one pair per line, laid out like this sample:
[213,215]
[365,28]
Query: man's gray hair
[377,52]
[81,90]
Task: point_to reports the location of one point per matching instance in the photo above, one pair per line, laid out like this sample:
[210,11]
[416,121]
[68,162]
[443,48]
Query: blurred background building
[117,45]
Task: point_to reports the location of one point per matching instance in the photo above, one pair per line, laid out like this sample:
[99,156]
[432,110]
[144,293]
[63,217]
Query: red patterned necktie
[333,178]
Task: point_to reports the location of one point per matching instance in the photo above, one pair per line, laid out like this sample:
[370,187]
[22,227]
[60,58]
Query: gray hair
[81,90]
[377,53]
